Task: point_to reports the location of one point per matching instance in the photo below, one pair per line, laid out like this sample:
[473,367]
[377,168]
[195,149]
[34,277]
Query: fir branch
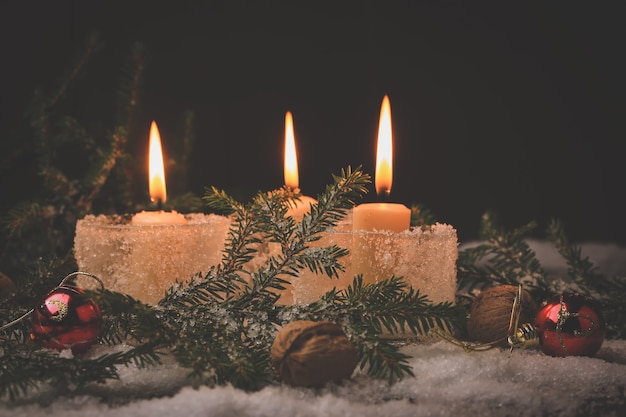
[21,217]
[394,306]
[221,202]
[581,270]
[383,360]
[503,258]
[96,180]
[211,345]
[129,85]
[323,260]
[92,45]
[242,240]
[217,284]
[188,143]
[332,204]
[266,216]
[270,213]
[28,367]
[123,174]
[131,319]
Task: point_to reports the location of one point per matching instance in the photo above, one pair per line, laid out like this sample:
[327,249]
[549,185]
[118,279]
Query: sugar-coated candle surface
[145,260]
[370,220]
[381,216]
[147,218]
[424,256]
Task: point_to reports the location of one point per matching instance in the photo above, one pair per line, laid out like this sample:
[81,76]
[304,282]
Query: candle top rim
[382,204]
[123,221]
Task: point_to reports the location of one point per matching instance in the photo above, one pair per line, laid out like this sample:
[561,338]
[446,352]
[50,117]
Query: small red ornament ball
[66,319]
[570,325]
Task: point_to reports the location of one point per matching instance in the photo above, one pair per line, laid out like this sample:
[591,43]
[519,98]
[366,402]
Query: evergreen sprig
[502,257]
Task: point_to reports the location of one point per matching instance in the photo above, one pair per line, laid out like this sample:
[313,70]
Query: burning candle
[144,255]
[382,243]
[158,192]
[302,206]
[383,216]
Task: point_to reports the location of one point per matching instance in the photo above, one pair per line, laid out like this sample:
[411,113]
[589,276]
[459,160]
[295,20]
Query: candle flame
[156,170]
[291,159]
[384,150]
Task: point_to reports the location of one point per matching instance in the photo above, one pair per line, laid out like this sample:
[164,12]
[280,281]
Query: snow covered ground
[448,381]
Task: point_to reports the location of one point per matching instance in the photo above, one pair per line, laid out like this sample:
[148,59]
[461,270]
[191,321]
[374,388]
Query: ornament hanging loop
[87,274]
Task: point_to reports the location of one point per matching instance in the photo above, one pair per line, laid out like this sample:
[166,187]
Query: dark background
[516,107]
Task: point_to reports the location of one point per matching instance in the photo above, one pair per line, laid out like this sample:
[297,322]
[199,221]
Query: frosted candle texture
[424,256]
[143,261]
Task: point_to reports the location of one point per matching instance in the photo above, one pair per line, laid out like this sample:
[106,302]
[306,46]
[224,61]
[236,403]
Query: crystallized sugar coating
[143,261]
[424,256]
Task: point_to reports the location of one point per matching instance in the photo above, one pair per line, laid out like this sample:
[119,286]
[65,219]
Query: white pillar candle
[381,216]
[378,217]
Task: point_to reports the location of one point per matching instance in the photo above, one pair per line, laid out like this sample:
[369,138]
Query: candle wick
[159,204]
[384,194]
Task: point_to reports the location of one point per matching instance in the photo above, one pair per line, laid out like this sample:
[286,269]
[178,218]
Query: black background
[516,107]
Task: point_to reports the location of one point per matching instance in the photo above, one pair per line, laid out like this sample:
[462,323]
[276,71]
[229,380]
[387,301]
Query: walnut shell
[310,354]
[490,314]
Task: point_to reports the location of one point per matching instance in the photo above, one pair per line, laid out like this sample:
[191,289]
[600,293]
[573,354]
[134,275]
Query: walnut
[490,314]
[308,353]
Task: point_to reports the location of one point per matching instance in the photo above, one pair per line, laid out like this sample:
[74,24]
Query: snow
[448,381]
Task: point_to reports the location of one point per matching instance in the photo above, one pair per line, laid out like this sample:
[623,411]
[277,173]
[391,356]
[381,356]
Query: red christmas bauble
[66,319]
[570,325]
